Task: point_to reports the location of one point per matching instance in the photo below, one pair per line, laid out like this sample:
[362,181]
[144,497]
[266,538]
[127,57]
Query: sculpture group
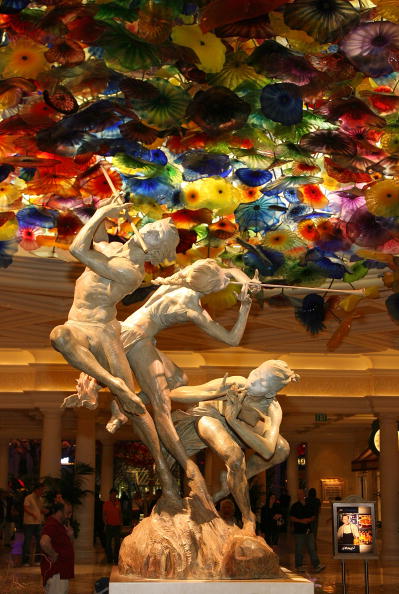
[183,537]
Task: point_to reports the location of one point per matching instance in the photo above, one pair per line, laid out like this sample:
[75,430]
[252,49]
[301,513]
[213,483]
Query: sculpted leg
[255,465]
[220,441]
[148,369]
[74,346]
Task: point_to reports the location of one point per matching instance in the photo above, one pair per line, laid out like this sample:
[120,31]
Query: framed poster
[354,530]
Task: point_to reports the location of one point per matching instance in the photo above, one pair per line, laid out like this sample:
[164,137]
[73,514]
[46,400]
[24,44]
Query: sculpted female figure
[177,301]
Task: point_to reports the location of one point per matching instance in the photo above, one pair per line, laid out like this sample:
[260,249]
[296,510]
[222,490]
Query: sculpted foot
[117,419]
[249,526]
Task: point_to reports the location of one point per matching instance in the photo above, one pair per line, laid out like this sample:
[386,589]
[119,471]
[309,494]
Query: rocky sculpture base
[176,545]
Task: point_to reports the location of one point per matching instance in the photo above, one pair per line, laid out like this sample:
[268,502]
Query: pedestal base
[290,584]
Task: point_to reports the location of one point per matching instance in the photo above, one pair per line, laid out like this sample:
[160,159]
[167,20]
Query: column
[389,473]
[86,452]
[4,441]
[107,467]
[292,472]
[50,457]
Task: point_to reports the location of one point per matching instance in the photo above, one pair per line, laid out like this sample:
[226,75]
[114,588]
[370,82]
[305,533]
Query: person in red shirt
[57,564]
[112,520]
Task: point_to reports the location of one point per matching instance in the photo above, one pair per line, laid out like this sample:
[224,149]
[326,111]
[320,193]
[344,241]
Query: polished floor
[382,580]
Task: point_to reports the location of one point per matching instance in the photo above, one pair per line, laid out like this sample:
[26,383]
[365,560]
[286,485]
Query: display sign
[354,531]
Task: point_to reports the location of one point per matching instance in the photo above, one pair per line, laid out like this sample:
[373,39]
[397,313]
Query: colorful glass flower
[282,102]
[209,48]
[166,108]
[258,215]
[218,110]
[216,194]
[370,46]
[253,177]
[312,195]
[23,57]
[325,20]
[382,198]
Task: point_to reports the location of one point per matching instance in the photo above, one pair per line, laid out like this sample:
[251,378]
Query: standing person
[33,517]
[315,504]
[57,564]
[271,520]
[112,517]
[302,516]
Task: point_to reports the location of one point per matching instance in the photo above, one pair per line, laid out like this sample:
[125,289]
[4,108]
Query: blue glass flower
[153,187]
[31,216]
[200,164]
[253,177]
[282,102]
[263,259]
[256,215]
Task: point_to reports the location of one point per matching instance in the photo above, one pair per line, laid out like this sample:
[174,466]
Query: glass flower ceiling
[267,130]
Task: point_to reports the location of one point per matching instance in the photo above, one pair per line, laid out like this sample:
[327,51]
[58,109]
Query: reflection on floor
[382,580]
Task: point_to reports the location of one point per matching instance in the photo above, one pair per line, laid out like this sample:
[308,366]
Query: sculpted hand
[245,299]
[254,284]
[233,404]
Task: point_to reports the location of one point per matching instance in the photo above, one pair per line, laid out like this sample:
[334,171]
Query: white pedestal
[290,584]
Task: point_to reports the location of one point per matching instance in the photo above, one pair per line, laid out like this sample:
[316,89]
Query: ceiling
[36,295]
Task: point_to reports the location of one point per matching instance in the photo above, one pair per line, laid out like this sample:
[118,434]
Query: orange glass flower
[307,230]
[312,195]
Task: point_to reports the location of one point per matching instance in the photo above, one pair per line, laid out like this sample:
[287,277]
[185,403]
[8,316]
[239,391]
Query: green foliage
[70,484]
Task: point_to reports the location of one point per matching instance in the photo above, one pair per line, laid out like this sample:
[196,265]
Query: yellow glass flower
[24,58]
[282,239]
[382,198]
[221,300]
[8,230]
[209,48]
[217,194]
[9,193]
[390,143]
[235,71]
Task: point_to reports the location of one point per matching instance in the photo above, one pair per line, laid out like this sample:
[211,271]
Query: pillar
[389,475]
[107,467]
[4,442]
[50,457]
[86,452]
[292,472]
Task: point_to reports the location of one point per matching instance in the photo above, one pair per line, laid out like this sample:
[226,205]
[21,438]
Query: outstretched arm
[211,390]
[200,318]
[263,444]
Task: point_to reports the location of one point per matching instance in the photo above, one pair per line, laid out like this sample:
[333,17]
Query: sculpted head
[203,276]
[270,377]
[161,238]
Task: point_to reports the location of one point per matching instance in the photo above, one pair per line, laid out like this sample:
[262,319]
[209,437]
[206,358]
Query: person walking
[302,516]
[112,520]
[33,516]
[57,564]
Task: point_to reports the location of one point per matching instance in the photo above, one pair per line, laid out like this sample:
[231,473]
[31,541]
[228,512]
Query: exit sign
[321,418]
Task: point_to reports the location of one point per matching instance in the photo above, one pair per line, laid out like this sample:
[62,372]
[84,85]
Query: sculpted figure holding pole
[90,339]
[248,416]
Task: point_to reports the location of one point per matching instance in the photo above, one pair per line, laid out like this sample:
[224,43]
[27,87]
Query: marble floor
[382,579]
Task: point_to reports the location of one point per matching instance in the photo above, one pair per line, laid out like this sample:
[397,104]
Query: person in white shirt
[348,531]
[33,517]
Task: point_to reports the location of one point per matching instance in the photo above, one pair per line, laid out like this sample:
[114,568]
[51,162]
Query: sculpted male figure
[90,339]
[248,416]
